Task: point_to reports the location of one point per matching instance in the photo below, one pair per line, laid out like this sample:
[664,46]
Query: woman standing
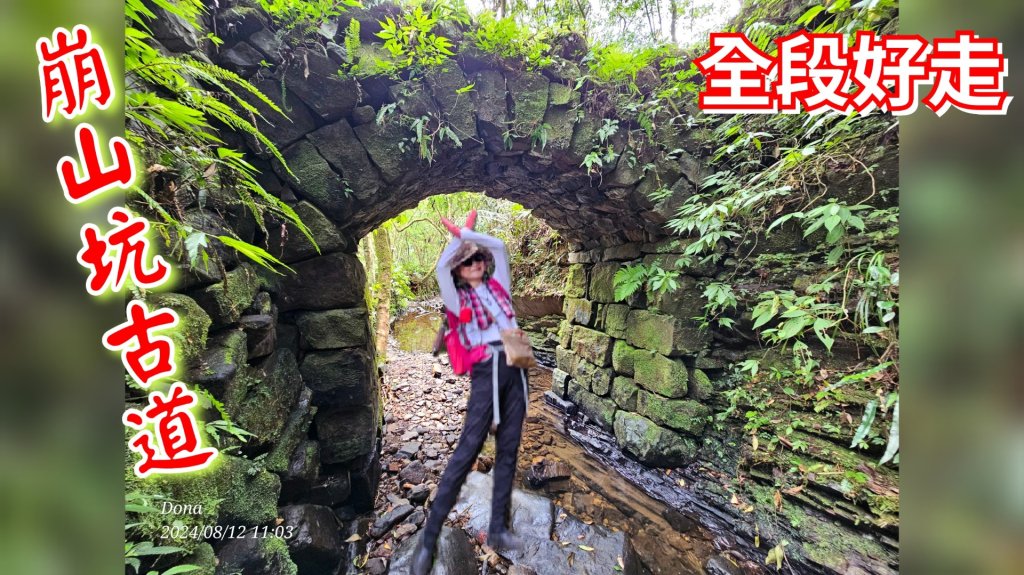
[498,392]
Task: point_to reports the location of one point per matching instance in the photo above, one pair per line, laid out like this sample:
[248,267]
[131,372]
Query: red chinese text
[821,72]
[72,72]
[147,357]
[175,447]
[129,245]
[89,178]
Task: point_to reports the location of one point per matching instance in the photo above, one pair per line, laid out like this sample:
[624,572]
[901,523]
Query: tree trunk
[673,15]
[382,247]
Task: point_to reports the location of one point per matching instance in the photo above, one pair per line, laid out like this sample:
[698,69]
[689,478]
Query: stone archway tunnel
[292,357]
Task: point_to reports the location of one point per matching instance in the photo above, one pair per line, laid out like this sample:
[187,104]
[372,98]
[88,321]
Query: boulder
[255,556]
[531,515]
[315,545]
[332,490]
[454,555]
[385,522]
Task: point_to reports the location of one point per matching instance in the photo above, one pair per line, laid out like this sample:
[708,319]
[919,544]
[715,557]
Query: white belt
[494,348]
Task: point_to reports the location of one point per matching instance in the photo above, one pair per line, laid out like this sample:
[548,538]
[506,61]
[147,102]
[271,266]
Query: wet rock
[255,556]
[661,375]
[316,545]
[190,335]
[521,570]
[531,515]
[385,522]
[415,472]
[454,555]
[679,521]
[552,476]
[722,565]
[651,444]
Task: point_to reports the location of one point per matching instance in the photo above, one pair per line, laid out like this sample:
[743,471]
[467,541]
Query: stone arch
[353,162]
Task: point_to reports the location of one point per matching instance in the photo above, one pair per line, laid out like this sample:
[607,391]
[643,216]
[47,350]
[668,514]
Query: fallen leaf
[793,490]
[748,509]
[585,547]
[353,537]
[753,441]
[571,558]
[778,500]
[621,564]
[735,500]
[682,483]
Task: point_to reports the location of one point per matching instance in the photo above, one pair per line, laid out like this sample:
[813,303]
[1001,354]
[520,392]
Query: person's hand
[454,229]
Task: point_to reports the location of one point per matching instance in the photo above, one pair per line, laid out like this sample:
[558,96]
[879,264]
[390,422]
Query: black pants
[479,416]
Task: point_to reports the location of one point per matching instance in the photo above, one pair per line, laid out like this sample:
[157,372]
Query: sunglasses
[477,257]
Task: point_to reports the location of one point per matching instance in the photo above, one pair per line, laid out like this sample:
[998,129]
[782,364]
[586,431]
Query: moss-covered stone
[219,363]
[664,334]
[622,357]
[341,378]
[255,556]
[203,558]
[661,375]
[231,491]
[565,333]
[225,301]
[651,444]
[312,177]
[562,95]
[559,382]
[345,434]
[576,281]
[294,245]
[579,311]
[565,359]
[602,282]
[189,336]
[624,392]
[683,415]
[269,400]
[336,328]
[615,316]
[444,82]
[594,346]
[295,430]
[529,92]
[701,387]
[685,303]
[600,409]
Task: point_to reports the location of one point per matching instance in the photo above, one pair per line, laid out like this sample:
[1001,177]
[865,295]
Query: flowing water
[606,487]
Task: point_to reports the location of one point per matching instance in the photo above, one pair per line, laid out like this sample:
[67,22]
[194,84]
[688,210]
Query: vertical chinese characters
[73,75]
